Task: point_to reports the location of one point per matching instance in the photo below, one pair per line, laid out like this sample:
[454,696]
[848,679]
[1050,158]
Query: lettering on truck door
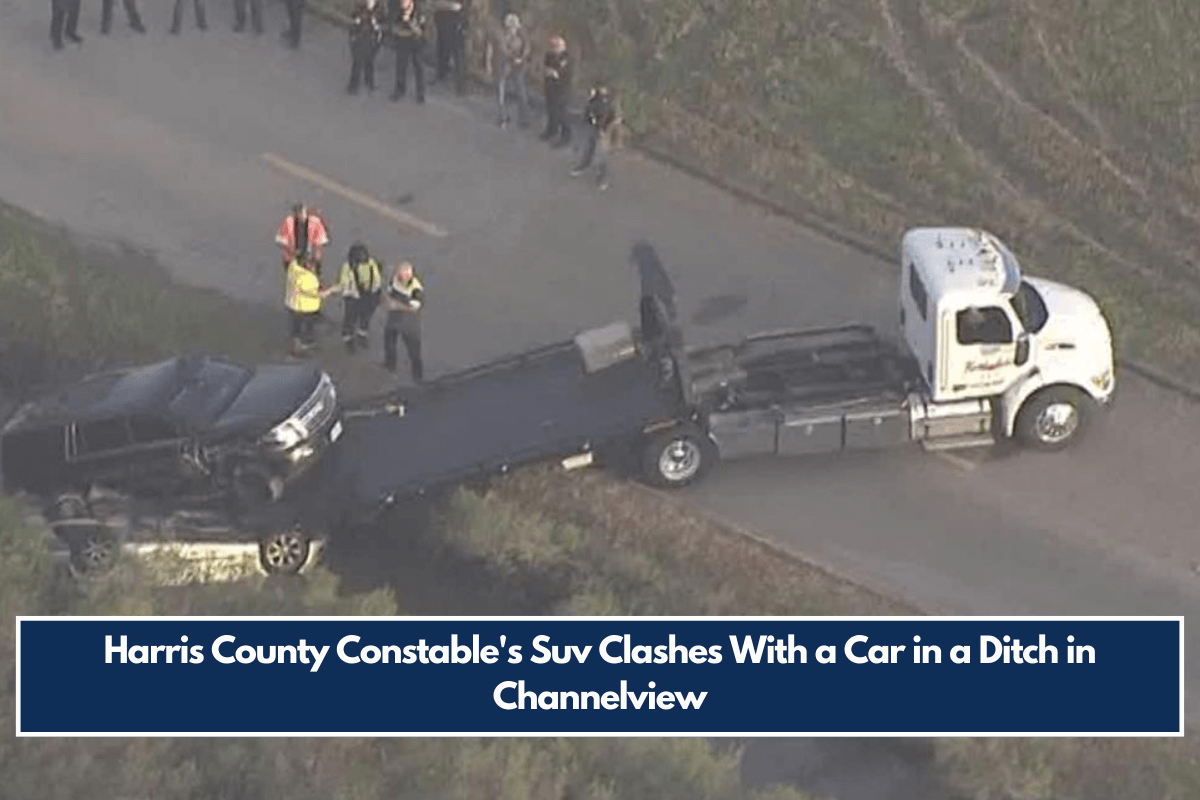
[981,351]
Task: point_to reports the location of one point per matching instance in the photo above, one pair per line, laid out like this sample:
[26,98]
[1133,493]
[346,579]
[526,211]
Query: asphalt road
[163,142]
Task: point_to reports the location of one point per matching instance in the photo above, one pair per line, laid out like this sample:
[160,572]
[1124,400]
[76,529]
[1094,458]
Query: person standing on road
[601,117]
[366,33]
[64,21]
[131,13]
[303,300]
[256,18]
[302,231]
[405,298]
[361,285]
[295,12]
[514,61]
[558,91]
[177,16]
[408,31]
[450,21]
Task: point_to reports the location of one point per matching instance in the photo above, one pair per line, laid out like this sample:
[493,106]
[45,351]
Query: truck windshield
[1030,308]
[208,391]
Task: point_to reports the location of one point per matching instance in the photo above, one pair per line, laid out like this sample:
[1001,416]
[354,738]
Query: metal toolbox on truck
[744,433]
[877,428]
[810,432]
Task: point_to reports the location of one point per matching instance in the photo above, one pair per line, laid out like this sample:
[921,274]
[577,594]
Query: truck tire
[1053,419]
[677,457]
[285,552]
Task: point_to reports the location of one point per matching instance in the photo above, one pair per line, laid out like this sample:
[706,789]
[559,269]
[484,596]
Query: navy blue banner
[818,676]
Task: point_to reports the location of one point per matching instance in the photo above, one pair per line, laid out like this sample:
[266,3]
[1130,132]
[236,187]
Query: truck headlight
[1103,381]
[287,434]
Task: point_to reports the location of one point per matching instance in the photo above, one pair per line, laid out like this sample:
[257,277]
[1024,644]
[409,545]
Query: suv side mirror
[1022,355]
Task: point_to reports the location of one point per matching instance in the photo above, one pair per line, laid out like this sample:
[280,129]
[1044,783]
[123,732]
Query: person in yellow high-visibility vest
[303,300]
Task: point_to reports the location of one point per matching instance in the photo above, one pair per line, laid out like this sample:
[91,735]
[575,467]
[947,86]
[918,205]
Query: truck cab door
[980,345]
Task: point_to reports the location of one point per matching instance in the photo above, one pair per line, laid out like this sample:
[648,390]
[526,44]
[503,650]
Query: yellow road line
[345,192]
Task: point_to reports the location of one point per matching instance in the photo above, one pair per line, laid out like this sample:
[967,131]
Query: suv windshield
[208,391]
[1030,308]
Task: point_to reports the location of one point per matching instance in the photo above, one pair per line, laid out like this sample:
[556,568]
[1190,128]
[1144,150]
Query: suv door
[155,456]
[96,453]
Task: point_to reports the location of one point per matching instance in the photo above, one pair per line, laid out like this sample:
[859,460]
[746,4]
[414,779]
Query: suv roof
[122,392]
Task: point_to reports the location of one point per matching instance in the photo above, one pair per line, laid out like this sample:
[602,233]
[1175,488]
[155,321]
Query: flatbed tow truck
[985,355]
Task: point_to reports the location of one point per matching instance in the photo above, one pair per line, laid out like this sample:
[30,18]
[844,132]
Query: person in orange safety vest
[302,231]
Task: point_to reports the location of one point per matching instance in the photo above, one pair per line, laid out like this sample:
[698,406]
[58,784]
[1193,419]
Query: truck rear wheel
[1053,418]
[677,457]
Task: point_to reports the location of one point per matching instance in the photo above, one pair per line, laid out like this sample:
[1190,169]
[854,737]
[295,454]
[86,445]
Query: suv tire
[93,549]
[284,553]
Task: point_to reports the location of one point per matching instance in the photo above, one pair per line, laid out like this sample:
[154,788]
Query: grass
[1067,127]
[68,305]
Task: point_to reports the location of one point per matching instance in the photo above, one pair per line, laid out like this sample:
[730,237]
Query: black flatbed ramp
[537,405]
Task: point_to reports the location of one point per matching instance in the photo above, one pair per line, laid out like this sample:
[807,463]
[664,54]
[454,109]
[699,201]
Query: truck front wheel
[1053,419]
[677,457]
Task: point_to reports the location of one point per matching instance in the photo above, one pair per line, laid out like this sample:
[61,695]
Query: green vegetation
[66,308]
[395,769]
[1066,126]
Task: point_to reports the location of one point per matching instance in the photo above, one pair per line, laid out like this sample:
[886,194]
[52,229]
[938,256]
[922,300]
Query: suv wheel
[284,553]
[93,550]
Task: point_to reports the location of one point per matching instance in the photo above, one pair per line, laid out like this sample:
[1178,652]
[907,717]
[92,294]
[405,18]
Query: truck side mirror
[1022,349]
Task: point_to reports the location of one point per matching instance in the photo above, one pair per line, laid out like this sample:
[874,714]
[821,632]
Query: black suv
[193,431]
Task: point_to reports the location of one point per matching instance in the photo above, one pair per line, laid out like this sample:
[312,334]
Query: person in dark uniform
[450,18]
[295,12]
[64,21]
[239,10]
[177,17]
[405,298]
[365,36]
[558,90]
[131,13]
[408,31]
[601,118]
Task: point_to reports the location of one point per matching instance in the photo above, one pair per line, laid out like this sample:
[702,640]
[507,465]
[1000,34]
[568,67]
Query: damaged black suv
[193,432]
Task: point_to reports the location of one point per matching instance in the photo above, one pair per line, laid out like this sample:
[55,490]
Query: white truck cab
[1032,355]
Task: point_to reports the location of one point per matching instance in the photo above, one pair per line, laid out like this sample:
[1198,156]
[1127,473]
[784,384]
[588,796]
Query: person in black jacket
[366,32]
[558,90]
[408,33]
[600,116]
[450,18]
[64,21]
